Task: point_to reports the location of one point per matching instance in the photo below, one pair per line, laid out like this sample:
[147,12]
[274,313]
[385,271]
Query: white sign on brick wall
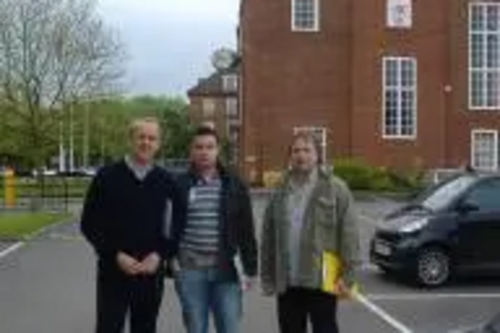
[399,14]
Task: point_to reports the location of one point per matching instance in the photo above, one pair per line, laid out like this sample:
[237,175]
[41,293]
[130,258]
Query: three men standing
[136,218]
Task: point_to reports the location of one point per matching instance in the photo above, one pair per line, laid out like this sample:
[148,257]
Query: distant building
[398,83]
[214,102]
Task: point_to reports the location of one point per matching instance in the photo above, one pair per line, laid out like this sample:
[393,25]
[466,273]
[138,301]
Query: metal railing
[54,193]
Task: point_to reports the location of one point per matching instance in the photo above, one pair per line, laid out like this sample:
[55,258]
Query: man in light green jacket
[311,213]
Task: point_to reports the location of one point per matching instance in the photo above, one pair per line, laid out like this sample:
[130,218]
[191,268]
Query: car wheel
[433,267]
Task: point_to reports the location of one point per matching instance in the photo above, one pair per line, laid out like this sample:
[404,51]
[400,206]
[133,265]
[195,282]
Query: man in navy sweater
[126,218]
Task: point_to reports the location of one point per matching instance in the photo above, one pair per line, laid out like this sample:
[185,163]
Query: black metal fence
[49,193]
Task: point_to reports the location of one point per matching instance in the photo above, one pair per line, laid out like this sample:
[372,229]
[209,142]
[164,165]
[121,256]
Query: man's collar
[140,171]
[134,165]
[304,179]
[207,179]
[219,174]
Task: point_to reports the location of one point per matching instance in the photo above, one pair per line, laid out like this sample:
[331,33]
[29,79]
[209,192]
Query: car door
[479,230]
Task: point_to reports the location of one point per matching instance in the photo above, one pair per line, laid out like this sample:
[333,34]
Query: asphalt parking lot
[47,286]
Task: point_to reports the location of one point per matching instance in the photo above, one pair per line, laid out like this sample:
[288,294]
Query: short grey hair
[137,123]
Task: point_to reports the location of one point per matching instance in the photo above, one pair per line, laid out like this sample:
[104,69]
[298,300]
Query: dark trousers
[297,306]
[119,295]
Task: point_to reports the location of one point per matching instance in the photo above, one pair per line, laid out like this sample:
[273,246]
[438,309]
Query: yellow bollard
[9,188]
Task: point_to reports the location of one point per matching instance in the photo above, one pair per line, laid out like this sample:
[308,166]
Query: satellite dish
[223,58]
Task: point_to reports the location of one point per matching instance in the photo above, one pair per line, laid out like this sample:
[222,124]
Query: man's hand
[267,289]
[128,264]
[248,283]
[342,290]
[150,264]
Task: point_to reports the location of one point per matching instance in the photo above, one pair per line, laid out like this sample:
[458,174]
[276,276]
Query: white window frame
[209,107]
[484,71]
[400,88]
[316,25]
[474,163]
[234,144]
[234,130]
[323,142]
[235,114]
[230,83]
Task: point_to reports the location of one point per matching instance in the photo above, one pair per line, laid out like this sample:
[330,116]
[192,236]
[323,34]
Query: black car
[451,228]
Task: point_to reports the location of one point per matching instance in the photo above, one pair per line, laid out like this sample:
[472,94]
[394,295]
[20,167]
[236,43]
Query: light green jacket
[329,225]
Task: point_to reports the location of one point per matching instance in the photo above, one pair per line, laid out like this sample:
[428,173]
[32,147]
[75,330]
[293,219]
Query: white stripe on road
[475,328]
[16,246]
[431,297]
[400,327]
[11,249]
[369,267]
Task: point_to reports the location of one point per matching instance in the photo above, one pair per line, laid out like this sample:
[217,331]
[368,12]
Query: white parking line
[14,247]
[431,297]
[368,304]
[475,328]
[369,267]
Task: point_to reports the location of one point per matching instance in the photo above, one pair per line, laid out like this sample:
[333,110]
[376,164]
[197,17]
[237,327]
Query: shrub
[361,176]
[271,178]
[353,172]
[410,180]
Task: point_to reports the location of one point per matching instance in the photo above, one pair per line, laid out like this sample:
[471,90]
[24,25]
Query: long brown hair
[309,137]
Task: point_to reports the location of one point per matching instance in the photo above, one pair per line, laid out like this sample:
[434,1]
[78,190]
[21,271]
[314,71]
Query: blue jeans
[209,290]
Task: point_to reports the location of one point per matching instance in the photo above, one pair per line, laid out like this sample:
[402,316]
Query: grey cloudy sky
[169,42]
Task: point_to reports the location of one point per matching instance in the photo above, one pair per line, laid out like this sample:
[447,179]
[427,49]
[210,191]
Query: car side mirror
[467,206]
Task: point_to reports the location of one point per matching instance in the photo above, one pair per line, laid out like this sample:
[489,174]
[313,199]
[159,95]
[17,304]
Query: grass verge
[20,226]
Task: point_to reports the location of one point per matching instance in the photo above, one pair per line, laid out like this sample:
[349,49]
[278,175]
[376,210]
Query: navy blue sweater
[123,213]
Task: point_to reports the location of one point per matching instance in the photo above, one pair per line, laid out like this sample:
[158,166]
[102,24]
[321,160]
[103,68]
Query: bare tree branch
[53,53]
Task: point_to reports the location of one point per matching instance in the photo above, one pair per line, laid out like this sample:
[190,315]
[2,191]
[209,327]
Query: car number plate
[382,249]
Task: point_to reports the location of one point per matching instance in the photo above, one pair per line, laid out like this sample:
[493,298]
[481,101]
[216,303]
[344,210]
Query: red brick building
[397,83]
[214,101]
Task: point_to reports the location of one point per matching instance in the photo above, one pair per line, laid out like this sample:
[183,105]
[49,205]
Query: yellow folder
[331,267]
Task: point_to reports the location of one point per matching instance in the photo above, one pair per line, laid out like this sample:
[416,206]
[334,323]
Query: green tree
[176,128]
[53,54]
[101,127]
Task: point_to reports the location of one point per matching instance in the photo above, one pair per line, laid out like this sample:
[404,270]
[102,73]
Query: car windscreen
[441,196]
